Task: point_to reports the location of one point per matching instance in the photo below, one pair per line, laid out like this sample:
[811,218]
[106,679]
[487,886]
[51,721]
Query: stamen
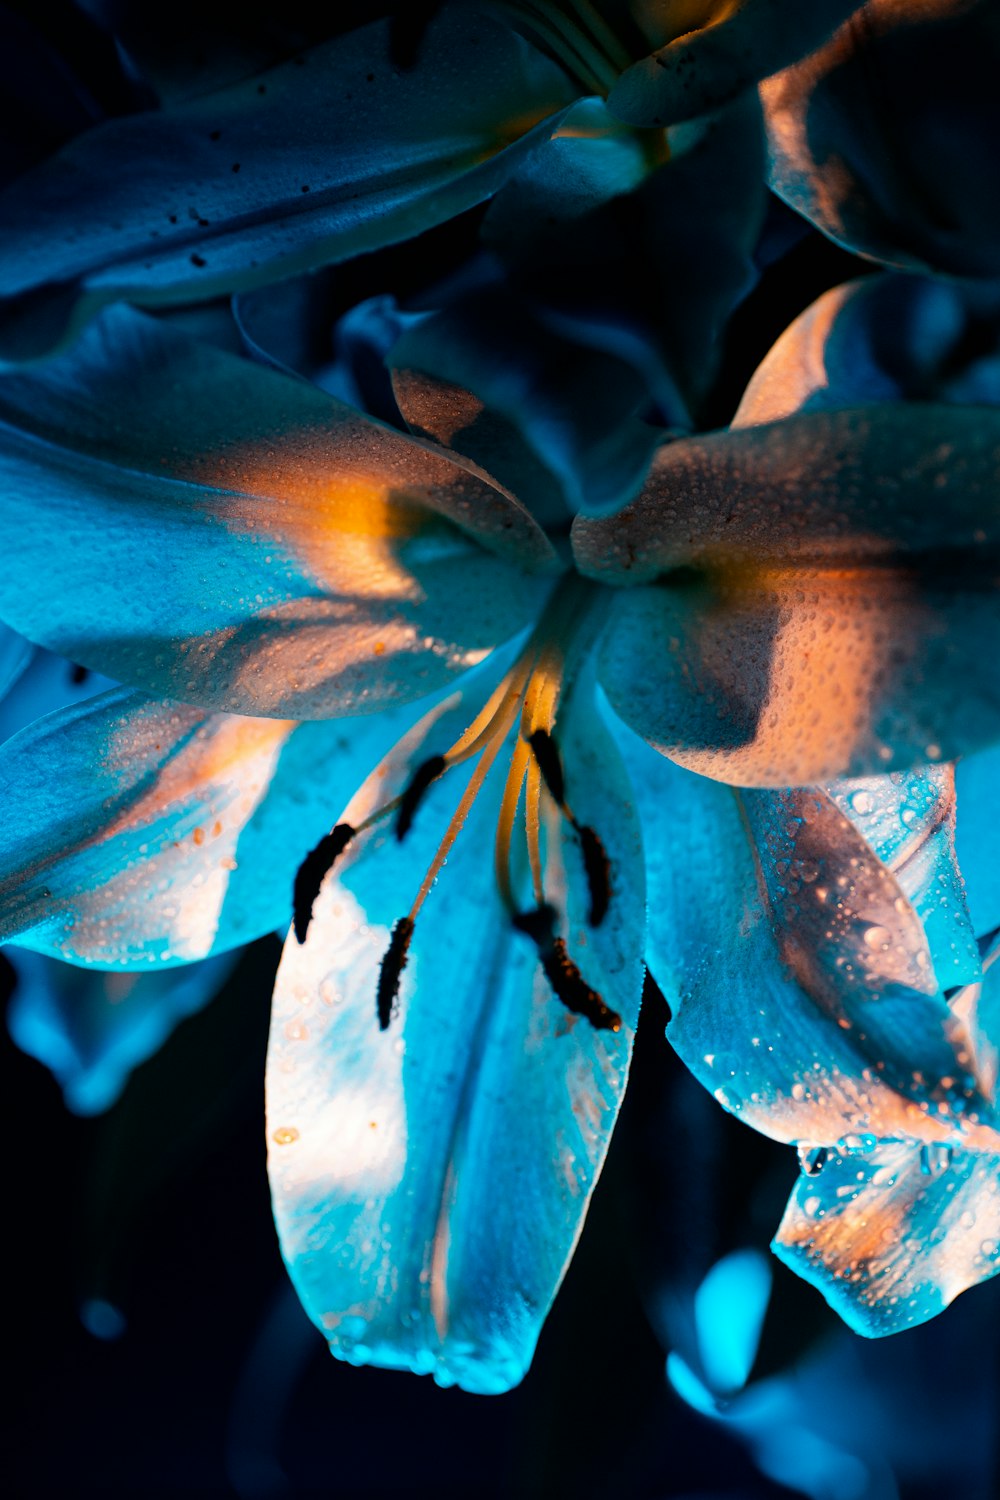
[505,824]
[312,872]
[391,971]
[543,748]
[598,871]
[423,777]
[532,829]
[568,984]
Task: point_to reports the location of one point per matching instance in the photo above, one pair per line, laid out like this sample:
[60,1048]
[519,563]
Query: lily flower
[457,1000]
[339,150]
[888,151]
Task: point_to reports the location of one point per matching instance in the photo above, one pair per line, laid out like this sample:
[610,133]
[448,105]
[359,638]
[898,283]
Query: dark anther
[412,797]
[573,990]
[567,982]
[77,674]
[312,872]
[598,868]
[391,971]
[543,747]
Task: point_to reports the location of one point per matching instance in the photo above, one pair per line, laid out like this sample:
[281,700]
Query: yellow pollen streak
[519,764]
[532,820]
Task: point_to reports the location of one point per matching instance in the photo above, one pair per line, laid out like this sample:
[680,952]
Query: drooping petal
[718,48]
[886,139]
[91,1028]
[335,152]
[892,1236]
[796,1065]
[826,586]
[885,338]
[218,533]
[430,1180]
[138,832]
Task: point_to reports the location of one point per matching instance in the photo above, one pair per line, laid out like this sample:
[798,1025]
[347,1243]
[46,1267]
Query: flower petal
[733,43]
[977,780]
[430,1180]
[886,139]
[215,532]
[138,832]
[91,1029]
[330,154]
[891,1237]
[825,587]
[794,1065]
[15,653]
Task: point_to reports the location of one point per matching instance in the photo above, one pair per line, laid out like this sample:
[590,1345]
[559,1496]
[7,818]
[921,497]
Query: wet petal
[430,1180]
[330,154]
[891,1237]
[728,46]
[215,532]
[138,832]
[91,1028]
[825,587]
[796,1066]
[977,781]
[909,821]
[886,139]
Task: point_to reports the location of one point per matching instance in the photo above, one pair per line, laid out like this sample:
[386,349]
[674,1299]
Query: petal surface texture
[817,591]
[328,155]
[892,1236]
[138,832]
[430,1180]
[213,531]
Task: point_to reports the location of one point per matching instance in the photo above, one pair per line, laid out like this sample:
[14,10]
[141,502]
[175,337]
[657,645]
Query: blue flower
[455,1008]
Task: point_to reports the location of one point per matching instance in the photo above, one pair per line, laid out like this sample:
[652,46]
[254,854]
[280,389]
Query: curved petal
[330,154]
[826,584]
[886,338]
[892,1236]
[977,780]
[430,1180]
[212,531]
[796,1066]
[138,832]
[91,1029]
[731,44]
[886,139]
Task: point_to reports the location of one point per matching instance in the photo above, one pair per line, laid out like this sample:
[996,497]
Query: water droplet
[862,802]
[934,1159]
[878,938]
[285,1135]
[812,1159]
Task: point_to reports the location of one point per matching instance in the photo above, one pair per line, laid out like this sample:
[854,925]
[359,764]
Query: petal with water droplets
[215,532]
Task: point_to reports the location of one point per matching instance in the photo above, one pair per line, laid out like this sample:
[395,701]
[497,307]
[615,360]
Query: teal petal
[886,139]
[892,1236]
[139,833]
[908,819]
[91,1029]
[825,591]
[977,782]
[15,654]
[325,156]
[212,531]
[430,1180]
[709,63]
[797,1063]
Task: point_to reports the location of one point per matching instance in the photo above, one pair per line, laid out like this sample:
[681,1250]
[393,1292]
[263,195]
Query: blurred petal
[886,338]
[430,1180]
[892,1236]
[826,585]
[886,139]
[795,1065]
[15,653]
[213,531]
[91,1029]
[721,47]
[330,154]
[138,832]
